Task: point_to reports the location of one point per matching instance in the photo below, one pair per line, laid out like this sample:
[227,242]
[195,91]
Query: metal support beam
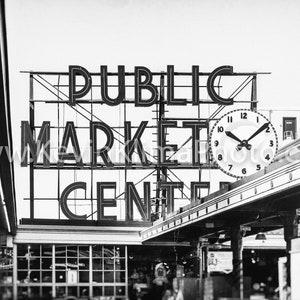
[237,273]
[290,221]
[31,169]
[161,171]
[254,94]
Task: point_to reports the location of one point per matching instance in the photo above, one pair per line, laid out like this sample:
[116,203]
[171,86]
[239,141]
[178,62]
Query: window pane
[72,291]
[22,263]
[60,251]
[83,291]
[97,291]
[60,263]
[46,250]
[120,264]
[108,291]
[108,276]
[97,264]
[34,250]
[23,276]
[120,250]
[47,276]
[46,263]
[84,264]
[97,277]
[22,250]
[72,262]
[72,251]
[84,251]
[120,290]
[60,291]
[34,263]
[84,276]
[97,251]
[108,264]
[60,276]
[35,276]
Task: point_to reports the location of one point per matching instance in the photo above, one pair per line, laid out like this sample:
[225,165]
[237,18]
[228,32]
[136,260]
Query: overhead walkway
[260,202]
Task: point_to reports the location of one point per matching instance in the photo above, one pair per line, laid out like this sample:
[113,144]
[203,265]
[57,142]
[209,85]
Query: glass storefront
[47,271]
[6,272]
[55,271]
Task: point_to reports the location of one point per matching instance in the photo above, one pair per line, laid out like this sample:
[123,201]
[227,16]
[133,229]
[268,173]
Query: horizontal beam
[54,166]
[84,223]
[153,73]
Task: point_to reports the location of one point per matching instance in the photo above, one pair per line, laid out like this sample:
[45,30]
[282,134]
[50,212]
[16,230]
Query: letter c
[64,197]
[223,70]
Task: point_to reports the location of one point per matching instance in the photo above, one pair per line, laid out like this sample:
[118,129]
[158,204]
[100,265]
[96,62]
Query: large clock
[243,142]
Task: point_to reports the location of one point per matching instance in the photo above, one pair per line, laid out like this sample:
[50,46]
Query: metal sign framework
[53,87]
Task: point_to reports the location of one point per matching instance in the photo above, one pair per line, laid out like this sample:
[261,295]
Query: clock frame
[243,142]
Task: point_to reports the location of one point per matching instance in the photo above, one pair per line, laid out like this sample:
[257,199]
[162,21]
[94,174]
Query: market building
[93,242]
[129,194]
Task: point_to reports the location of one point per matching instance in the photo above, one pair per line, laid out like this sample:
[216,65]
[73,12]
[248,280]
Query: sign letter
[35,147]
[162,147]
[109,143]
[223,70]
[121,86]
[135,142]
[195,138]
[146,84]
[70,133]
[143,207]
[105,202]
[170,89]
[73,94]
[64,197]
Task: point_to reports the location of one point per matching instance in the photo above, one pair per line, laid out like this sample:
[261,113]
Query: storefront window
[6,272]
[71,270]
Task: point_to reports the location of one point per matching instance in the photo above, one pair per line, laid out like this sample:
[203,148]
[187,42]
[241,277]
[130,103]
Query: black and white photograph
[150,150]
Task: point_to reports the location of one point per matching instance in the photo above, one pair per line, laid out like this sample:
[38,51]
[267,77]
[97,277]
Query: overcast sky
[256,35]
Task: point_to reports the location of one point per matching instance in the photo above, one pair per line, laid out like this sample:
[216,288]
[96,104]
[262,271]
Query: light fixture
[261,236]
[222,236]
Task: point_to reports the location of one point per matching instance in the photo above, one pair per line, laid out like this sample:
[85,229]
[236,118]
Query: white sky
[50,35]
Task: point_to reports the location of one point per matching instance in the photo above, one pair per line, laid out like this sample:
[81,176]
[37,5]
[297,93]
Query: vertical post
[58,144]
[254,94]
[201,262]
[90,272]
[15,273]
[92,170]
[126,273]
[161,171]
[290,221]
[125,165]
[31,168]
[53,272]
[237,261]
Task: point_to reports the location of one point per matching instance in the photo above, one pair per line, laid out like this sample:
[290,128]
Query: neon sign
[146,94]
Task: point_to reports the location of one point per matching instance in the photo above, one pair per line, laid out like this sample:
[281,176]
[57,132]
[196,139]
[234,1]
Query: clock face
[243,142]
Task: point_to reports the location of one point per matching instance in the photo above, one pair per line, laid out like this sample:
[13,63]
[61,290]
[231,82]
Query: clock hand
[231,135]
[259,130]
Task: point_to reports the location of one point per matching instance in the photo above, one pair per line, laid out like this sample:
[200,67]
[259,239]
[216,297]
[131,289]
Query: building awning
[8,200]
